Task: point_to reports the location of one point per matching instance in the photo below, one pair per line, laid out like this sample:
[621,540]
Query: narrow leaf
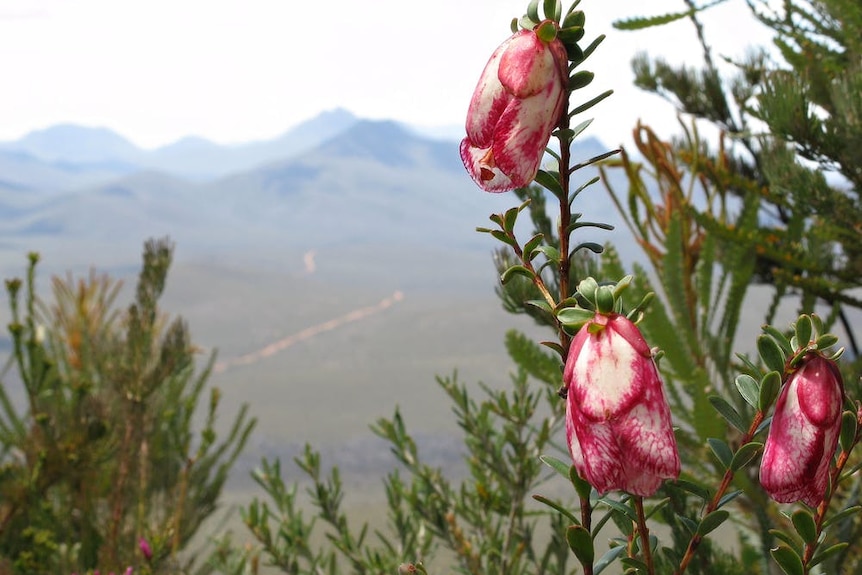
[721,450]
[559,508]
[513,271]
[712,521]
[609,557]
[771,353]
[804,524]
[748,389]
[769,387]
[745,454]
[557,465]
[728,412]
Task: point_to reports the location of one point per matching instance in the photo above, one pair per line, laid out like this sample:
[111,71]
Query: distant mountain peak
[74,143]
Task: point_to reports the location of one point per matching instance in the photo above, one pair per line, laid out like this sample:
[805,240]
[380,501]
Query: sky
[240,70]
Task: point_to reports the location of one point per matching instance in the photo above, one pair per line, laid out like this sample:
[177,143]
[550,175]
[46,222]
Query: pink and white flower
[804,433]
[516,104]
[618,423]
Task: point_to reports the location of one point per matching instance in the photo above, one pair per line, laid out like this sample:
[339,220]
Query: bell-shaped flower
[618,423]
[804,433]
[515,107]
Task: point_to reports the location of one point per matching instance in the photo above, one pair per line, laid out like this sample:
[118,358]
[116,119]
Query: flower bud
[516,104]
[618,421]
[804,433]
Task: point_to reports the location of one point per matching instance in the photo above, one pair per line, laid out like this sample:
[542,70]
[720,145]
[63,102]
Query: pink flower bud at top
[146,550]
[618,423]
[804,433]
[517,102]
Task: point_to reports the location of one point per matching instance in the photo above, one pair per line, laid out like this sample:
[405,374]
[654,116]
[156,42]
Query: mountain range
[334,182]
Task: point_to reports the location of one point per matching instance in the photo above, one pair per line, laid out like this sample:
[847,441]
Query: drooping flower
[804,433]
[146,550]
[618,423]
[516,104]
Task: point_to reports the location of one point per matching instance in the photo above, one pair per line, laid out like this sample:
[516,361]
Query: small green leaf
[553,10]
[581,79]
[503,237]
[825,341]
[550,252]
[692,488]
[712,521]
[636,564]
[769,388]
[788,560]
[510,218]
[571,35]
[728,497]
[582,486]
[605,299]
[576,131]
[592,246]
[804,524]
[779,337]
[533,11]
[526,23]
[721,450]
[532,244]
[576,18]
[581,542]
[557,507]
[515,270]
[803,330]
[540,304]
[550,182]
[557,465]
[825,554]
[843,514]
[790,539]
[609,557]
[587,288]
[847,438]
[620,508]
[547,31]
[745,454]
[575,317]
[771,353]
[589,103]
[748,389]
[728,412]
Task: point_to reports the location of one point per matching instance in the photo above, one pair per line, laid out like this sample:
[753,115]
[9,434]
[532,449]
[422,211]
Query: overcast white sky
[239,70]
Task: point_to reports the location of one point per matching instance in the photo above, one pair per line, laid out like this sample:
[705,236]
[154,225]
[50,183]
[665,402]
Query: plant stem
[643,531]
[696,539]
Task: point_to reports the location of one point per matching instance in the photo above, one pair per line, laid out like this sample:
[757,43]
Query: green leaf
[769,388]
[693,488]
[557,507]
[636,564]
[803,330]
[571,35]
[550,182]
[575,18]
[550,252]
[620,508]
[532,244]
[771,353]
[641,22]
[804,524]
[577,130]
[748,389]
[721,450]
[590,103]
[580,80]
[779,337]
[581,542]
[510,218]
[503,237]
[728,497]
[533,11]
[582,486]
[712,521]
[587,288]
[553,10]
[605,299]
[825,554]
[728,412]
[825,341]
[609,557]
[557,465]
[575,317]
[843,514]
[516,270]
[745,454]
[788,560]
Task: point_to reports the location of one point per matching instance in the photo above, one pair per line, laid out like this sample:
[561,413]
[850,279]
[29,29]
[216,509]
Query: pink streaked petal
[481,167]
[527,65]
[488,102]
[608,376]
[523,131]
[572,441]
[602,456]
[797,454]
[645,435]
[630,332]
[819,396]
